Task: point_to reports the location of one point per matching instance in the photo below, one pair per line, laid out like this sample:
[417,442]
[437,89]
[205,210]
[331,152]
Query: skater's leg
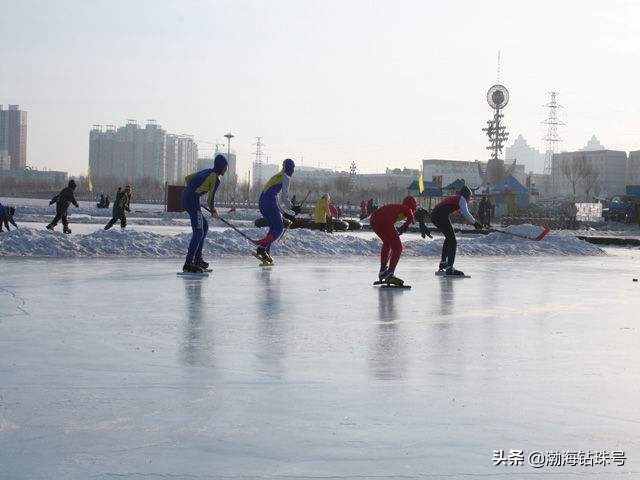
[203,236]
[396,251]
[450,242]
[55,220]
[271,212]
[123,220]
[110,223]
[65,221]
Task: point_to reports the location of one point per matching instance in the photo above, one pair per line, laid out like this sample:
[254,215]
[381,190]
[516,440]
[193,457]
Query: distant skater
[197,184]
[440,218]
[6,217]
[383,222]
[274,201]
[120,207]
[62,201]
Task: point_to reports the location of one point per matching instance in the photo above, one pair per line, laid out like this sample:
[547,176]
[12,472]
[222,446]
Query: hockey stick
[231,225]
[289,226]
[544,233]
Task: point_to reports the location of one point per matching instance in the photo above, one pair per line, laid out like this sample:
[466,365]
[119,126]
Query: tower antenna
[552,138]
[259,154]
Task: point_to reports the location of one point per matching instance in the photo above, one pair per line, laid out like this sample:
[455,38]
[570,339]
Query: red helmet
[410,203]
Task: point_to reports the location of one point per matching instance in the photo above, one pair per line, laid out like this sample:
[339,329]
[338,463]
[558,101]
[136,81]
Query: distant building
[525,154]
[13,135]
[28,175]
[133,153]
[445,172]
[610,164]
[5,160]
[593,145]
[633,168]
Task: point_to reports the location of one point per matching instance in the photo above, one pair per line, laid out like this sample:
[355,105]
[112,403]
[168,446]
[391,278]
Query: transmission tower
[352,176]
[258,163]
[552,138]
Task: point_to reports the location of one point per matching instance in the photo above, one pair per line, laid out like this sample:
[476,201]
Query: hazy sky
[384,83]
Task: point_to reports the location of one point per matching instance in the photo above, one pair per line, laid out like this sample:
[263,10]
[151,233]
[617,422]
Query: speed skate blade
[193,274]
[402,287]
[441,273]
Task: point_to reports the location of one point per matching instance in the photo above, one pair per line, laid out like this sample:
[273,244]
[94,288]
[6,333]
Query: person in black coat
[120,206]
[6,217]
[62,201]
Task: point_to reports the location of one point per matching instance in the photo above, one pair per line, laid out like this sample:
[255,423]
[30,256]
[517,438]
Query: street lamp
[228,136]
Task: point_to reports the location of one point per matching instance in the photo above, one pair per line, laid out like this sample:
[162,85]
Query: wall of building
[5,160]
[451,170]
[611,165]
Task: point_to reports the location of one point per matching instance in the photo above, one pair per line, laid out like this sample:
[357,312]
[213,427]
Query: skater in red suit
[383,222]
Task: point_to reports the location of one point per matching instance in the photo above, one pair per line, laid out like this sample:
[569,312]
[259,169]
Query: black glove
[424,231]
[403,228]
[288,216]
[296,208]
[477,225]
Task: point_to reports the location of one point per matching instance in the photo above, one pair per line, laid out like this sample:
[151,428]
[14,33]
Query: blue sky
[384,83]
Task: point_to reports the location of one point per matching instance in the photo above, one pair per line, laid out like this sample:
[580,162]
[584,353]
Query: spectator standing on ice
[383,222]
[197,184]
[6,217]
[120,207]
[273,203]
[484,212]
[322,213]
[62,201]
[440,218]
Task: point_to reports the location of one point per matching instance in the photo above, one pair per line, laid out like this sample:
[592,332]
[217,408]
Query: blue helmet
[220,164]
[465,192]
[288,166]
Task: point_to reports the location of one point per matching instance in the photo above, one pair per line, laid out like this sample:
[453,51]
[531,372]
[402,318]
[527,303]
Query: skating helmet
[410,203]
[288,166]
[465,192]
[220,164]
[72,183]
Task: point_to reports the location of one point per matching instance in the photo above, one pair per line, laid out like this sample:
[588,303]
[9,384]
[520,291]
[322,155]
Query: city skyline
[340,83]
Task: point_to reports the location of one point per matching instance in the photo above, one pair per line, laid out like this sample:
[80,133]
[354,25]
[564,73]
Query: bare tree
[591,181]
[575,170]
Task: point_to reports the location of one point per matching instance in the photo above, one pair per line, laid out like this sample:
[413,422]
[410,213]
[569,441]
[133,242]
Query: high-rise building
[132,153]
[13,135]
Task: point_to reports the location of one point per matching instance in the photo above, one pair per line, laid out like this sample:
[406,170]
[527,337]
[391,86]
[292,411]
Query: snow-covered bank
[43,243]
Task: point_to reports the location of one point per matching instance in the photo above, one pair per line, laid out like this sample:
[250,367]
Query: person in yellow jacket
[322,213]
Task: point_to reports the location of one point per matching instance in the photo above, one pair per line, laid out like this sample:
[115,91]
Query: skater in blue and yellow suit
[197,184]
[274,199]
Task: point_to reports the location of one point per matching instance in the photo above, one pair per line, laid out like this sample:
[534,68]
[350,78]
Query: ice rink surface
[119,369]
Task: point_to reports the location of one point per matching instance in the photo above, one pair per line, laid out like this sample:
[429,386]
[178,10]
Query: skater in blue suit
[274,200]
[197,184]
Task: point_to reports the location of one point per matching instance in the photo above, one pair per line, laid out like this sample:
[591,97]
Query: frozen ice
[117,368]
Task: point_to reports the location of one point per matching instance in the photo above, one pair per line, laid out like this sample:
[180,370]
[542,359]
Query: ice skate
[49,227]
[66,230]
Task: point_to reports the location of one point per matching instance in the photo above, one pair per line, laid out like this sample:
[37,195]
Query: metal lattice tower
[352,176]
[552,138]
[259,154]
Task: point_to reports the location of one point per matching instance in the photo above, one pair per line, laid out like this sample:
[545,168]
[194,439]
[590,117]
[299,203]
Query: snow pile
[43,243]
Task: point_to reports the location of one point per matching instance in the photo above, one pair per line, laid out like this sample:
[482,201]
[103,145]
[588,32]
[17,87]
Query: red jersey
[392,213]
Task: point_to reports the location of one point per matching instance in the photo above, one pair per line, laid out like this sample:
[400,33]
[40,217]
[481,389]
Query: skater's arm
[213,182]
[464,210]
[72,199]
[53,200]
[3,219]
[284,193]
